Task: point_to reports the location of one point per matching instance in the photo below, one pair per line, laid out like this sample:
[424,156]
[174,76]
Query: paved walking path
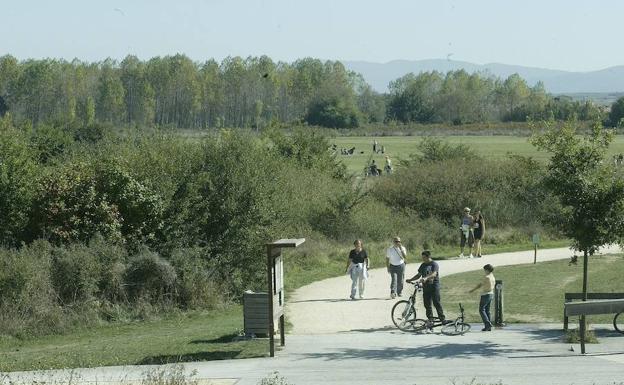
[325,306]
[337,341]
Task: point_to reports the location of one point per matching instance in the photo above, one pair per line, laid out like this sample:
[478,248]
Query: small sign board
[536,239]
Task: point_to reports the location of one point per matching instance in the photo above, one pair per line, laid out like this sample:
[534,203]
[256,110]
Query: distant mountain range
[609,80]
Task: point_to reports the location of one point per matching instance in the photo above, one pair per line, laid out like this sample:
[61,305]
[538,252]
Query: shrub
[17,188]
[27,297]
[195,287]
[149,277]
[75,274]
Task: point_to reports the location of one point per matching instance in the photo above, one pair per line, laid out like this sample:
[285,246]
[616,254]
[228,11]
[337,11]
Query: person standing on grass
[388,166]
[487,294]
[357,268]
[478,232]
[396,257]
[429,273]
[467,235]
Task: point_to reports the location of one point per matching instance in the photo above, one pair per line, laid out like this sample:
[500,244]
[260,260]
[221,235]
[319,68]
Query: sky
[570,35]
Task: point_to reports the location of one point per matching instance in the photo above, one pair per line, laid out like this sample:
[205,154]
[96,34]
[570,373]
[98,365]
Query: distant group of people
[472,231]
[373,170]
[618,159]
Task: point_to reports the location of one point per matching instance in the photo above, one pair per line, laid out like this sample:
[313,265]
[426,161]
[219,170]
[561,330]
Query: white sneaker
[471,256]
[461,255]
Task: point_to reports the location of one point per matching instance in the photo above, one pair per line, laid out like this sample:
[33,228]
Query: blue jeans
[484,309]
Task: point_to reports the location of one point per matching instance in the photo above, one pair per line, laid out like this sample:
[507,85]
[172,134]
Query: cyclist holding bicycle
[428,273]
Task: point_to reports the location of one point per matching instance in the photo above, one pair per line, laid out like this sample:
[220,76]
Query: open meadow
[398,147]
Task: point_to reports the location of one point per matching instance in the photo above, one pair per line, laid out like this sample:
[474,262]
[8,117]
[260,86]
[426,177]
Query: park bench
[600,306]
[569,297]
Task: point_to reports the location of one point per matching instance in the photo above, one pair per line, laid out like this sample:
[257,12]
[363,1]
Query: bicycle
[404,317]
[458,326]
[404,312]
[618,322]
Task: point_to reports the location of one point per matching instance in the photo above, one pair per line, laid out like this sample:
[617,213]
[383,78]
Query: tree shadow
[388,328]
[189,357]
[341,300]
[442,351]
[220,340]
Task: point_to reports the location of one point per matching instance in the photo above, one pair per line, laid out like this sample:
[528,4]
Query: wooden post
[270,298]
[535,255]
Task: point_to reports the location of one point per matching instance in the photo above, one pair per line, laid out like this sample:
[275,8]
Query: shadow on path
[448,350]
[339,300]
[191,357]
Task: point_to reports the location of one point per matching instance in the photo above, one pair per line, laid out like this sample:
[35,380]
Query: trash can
[498,303]
[255,313]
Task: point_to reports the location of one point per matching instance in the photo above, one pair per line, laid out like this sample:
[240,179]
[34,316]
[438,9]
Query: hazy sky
[559,34]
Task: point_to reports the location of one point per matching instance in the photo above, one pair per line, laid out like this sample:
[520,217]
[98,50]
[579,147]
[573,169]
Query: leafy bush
[75,274]
[333,113]
[27,296]
[149,277]
[195,287]
[68,207]
[17,187]
[439,183]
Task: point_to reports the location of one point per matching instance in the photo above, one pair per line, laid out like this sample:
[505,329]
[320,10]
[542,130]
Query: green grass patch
[535,293]
[181,338]
[490,147]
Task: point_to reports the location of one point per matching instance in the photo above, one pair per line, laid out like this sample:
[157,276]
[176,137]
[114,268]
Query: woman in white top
[487,294]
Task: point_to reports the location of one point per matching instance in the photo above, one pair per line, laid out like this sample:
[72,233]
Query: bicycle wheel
[419,325]
[455,329]
[403,315]
[618,322]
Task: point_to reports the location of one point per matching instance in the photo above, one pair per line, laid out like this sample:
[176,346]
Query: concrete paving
[516,354]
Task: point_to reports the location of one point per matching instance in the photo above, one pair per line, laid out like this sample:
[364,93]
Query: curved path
[324,306]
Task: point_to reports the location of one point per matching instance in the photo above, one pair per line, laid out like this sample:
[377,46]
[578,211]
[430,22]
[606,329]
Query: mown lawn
[492,147]
[534,293]
[181,338]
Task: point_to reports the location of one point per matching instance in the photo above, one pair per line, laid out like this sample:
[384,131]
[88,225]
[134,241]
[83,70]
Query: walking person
[357,268]
[478,232]
[487,294]
[467,235]
[396,257]
[429,273]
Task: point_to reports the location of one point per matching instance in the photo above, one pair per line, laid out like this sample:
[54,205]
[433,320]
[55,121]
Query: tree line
[256,92]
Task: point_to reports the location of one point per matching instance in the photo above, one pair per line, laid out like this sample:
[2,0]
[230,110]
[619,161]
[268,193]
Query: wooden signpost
[275,280]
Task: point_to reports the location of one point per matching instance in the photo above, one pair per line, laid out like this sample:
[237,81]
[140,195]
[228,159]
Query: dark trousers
[431,293]
[484,309]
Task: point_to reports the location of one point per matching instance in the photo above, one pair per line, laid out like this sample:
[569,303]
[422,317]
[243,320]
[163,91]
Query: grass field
[534,293]
[397,147]
[182,338]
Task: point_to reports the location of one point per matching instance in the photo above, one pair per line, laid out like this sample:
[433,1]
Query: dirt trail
[324,306]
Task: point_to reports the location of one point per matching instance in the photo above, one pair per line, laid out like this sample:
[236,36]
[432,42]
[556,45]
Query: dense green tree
[616,115]
[17,181]
[110,96]
[589,189]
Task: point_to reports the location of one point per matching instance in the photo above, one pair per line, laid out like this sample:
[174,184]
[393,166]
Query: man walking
[395,263]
